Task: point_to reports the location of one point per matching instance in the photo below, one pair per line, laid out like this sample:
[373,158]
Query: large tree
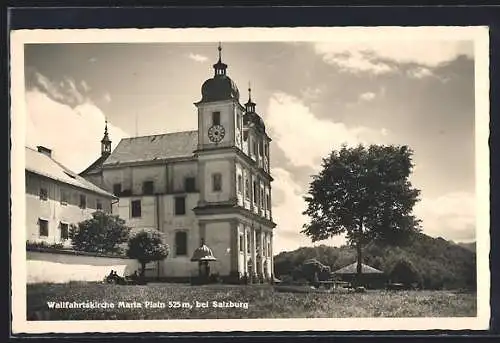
[364,193]
[103,233]
[147,246]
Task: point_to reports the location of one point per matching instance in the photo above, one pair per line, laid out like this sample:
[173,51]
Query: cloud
[311,93]
[198,58]
[85,86]
[64,91]
[419,72]
[287,213]
[451,216]
[368,96]
[380,57]
[73,133]
[106,97]
[305,139]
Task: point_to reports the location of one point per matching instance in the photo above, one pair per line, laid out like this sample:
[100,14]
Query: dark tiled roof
[96,166]
[352,269]
[44,165]
[156,147]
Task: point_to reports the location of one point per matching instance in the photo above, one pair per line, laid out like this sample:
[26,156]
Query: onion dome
[251,117]
[220,87]
[203,253]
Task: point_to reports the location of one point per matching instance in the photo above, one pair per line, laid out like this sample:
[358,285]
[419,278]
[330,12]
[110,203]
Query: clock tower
[233,211]
[220,121]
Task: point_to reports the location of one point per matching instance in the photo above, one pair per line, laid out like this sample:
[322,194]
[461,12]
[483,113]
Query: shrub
[147,246]
[103,233]
[405,272]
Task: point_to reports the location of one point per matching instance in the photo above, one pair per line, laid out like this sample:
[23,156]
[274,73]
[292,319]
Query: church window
[255,193]
[117,189]
[83,201]
[261,198]
[180,206]
[136,208]
[254,148]
[238,121]
[181,243]
[217,182]
[268,248]
[242,244]
[98,204]
[64,231]
[260,149]
[247,189]
[268,201]
[189,184]
[44,194]
[148,187]
[215,118]
[240,183]
[43,227]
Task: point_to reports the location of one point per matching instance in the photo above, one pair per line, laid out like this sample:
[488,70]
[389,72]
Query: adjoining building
[212,184]
[56,197]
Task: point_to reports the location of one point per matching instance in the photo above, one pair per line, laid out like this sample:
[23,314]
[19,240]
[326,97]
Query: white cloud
[451,216]
[107,97]
[287,213]
[379,57]
[419,72]
[64,91]
[84,86]
[306,139]
[73,134]
[368,96]
[198,57]
[311,93]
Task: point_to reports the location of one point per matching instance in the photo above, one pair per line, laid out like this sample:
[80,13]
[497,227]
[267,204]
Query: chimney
[44,150]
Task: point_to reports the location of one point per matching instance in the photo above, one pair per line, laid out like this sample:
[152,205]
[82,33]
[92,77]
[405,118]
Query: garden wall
[64,266]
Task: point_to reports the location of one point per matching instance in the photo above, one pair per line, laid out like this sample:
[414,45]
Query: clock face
[216,133]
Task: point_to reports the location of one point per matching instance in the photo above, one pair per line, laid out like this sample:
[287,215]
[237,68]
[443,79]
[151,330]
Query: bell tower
[105,142]
[219,110]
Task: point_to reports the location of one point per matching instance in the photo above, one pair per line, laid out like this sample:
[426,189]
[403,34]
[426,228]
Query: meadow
[179,301]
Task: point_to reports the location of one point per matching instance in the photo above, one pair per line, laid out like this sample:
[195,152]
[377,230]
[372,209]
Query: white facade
[211,184]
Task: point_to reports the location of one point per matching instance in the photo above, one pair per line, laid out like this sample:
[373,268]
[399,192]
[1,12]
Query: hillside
[442,264]
[470,246]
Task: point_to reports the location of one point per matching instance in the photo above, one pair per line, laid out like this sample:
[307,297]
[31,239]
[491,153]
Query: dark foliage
[103,233]
[147,246]
[440,263]
[363,192]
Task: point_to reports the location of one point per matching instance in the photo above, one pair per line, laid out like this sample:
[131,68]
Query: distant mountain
[470,246]
[441,263]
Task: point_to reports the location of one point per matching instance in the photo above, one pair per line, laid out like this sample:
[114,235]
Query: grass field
[178,301]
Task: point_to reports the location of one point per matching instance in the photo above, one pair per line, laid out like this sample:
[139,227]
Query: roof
[96,166]
[155,147]
[42,164]
[352,269]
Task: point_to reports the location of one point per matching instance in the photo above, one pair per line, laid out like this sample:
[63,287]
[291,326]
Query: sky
[313,97]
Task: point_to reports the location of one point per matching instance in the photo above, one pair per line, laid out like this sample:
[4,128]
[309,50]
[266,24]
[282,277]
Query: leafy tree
[363,193]
[405,272]
[103,233]
[147,246]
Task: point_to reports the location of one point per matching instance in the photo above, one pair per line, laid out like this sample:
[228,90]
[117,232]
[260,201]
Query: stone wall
[44,265]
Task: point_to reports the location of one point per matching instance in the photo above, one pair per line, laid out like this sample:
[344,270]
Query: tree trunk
[359,250]
[143,269]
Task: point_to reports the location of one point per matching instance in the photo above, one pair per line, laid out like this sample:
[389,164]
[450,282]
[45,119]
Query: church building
[210,185]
